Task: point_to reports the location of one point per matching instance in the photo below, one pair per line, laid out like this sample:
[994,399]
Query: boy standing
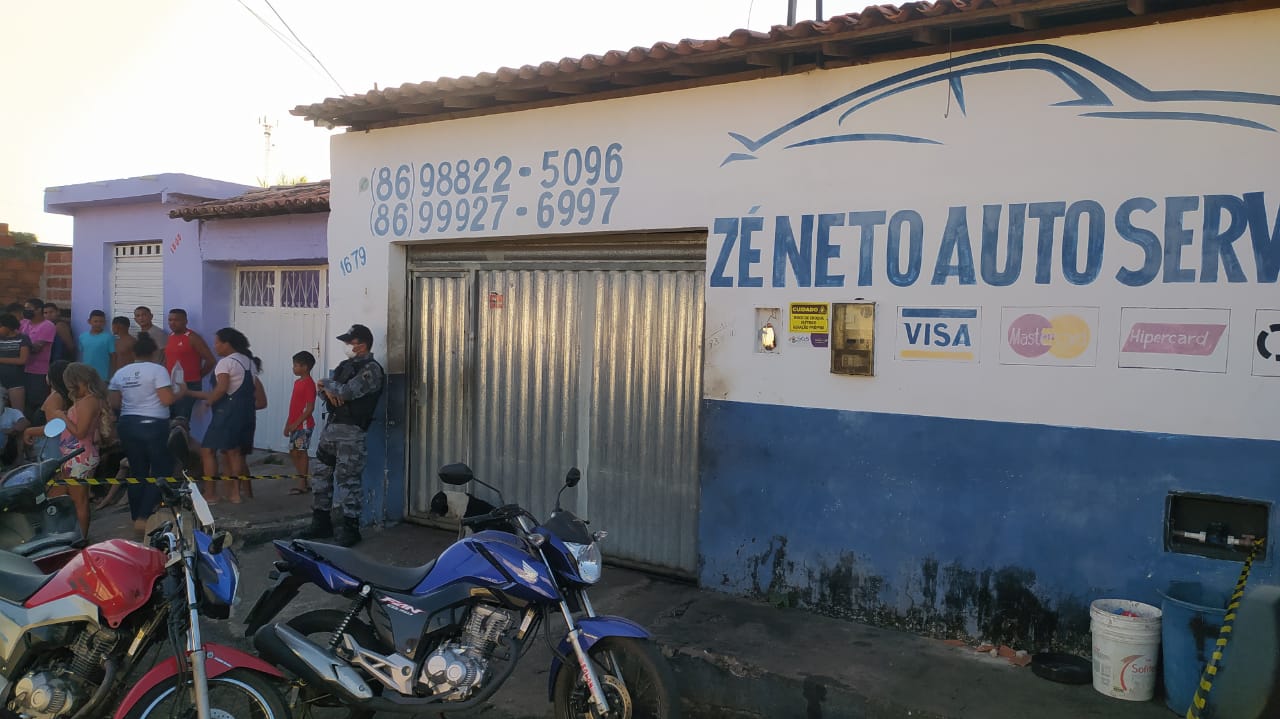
[124,343]
[64,343]
[97,345]
[301,422]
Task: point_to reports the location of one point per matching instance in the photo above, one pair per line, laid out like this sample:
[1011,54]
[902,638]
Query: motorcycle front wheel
[636,679]
[238,694]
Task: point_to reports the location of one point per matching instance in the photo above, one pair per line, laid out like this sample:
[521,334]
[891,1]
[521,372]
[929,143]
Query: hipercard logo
[1198,340]
[1174,338]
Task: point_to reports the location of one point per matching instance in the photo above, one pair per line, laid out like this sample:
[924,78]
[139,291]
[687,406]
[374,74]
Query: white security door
[137,279]
[283,311]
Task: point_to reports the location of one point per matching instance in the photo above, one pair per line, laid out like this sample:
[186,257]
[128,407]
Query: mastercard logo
[1063,336]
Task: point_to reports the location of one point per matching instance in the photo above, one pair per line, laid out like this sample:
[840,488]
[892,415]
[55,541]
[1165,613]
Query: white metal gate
[137,279]
[552,357]
[282,310]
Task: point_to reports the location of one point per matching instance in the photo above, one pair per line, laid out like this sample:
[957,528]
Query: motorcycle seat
[19,577]
[383,576]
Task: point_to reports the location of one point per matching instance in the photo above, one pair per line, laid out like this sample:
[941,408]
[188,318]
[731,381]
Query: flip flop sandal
[1062,668]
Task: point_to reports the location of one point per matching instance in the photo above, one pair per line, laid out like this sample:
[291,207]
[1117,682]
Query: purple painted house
[229,254]
[128,251]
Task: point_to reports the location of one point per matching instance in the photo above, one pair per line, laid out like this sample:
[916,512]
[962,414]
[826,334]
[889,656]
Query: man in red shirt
[302,407]
[187,350]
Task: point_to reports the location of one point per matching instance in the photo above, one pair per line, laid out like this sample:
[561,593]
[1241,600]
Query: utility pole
[267,127]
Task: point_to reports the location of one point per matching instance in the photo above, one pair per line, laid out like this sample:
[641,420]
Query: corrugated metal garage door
[568,355]
[137,279]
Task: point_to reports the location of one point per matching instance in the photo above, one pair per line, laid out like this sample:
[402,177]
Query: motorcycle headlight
[589,560]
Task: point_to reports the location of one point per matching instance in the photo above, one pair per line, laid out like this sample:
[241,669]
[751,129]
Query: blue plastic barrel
[1192,617]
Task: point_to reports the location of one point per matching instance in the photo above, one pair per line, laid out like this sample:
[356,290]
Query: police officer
[351,398]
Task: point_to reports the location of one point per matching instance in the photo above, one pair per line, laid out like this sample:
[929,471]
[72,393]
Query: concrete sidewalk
[272,512]
[733,657]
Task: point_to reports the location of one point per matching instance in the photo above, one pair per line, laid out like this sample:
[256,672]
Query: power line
[283,40]
[304,46]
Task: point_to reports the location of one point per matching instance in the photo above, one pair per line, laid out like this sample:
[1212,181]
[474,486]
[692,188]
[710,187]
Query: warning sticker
[809,317]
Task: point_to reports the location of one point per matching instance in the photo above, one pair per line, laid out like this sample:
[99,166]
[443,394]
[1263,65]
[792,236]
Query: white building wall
[1007,142]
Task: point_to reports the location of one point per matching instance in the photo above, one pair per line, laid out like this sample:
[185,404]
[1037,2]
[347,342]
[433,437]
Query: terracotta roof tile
[281,200]
[876,30]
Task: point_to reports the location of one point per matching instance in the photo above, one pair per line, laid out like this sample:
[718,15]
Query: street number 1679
[353,261]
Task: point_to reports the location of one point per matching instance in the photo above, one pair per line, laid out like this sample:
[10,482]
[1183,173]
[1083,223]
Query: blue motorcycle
[443,637]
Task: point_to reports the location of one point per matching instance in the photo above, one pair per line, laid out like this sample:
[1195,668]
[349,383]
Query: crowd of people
[123,393]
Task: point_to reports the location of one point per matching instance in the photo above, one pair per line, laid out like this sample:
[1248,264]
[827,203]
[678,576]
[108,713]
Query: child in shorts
[301,422]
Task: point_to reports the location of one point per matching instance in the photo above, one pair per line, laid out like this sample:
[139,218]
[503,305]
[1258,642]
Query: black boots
[321,526]
[347,534]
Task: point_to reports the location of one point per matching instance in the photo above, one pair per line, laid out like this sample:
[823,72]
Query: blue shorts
[300,440]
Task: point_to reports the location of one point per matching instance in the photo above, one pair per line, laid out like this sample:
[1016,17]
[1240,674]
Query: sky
[93,90]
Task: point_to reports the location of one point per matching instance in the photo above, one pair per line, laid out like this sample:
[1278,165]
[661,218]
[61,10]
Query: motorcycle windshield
[218,575]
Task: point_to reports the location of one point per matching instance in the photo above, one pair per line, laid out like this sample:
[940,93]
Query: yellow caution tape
[1201,699]
[68,482]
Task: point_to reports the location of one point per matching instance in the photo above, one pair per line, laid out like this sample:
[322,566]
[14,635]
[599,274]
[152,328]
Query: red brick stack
[32,271]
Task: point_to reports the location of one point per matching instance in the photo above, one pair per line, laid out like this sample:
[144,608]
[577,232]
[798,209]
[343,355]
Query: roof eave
[877,33]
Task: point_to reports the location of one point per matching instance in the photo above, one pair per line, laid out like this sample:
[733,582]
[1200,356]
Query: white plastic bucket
[1125,648]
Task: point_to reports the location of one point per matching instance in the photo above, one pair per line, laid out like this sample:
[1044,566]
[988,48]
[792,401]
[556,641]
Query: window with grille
[257,288]
[300,288]
[282,287]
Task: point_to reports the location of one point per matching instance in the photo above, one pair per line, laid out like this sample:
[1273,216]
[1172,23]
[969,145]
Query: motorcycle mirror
[573,477]
[54,428]
[220,541]
[456,474]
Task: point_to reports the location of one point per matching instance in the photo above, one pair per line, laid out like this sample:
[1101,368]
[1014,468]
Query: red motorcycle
[72,643]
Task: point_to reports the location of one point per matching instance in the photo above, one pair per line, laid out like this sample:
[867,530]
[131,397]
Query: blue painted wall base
[945,526]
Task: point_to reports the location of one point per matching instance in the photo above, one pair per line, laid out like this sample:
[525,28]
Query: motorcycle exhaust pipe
[284,646]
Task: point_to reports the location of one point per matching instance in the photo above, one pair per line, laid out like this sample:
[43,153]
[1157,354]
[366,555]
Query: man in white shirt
[12,424]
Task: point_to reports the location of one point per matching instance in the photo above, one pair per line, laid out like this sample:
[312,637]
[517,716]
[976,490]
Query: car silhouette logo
[1100,90]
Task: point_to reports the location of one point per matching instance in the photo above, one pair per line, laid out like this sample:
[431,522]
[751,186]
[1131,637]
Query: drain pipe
[791,11]
[1245,541]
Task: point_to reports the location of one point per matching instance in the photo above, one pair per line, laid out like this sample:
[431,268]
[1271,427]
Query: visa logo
[932,333]
[937,334]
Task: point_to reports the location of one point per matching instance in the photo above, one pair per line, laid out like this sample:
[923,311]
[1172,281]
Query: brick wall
[31,271]
[56,286]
